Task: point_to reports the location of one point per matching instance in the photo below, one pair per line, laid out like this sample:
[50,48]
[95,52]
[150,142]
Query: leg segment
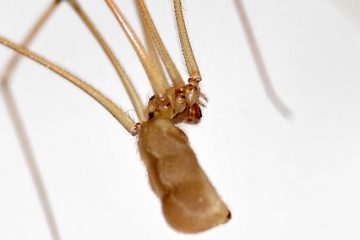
[114,110]
[169,64]
[10,67]
[158,83]
[31,162]
[134,96]
[190,60]
[260,65]
[20,129]
[150,46]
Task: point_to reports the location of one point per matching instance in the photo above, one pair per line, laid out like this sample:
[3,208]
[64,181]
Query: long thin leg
[134,96]
[114,110]
[20,129]
[260,65]
[31,162]
[190,60]
[150,46]
[150,26]
[158,84]
[11,65]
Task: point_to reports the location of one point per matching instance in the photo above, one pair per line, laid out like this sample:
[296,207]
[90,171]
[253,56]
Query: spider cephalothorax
[177,104]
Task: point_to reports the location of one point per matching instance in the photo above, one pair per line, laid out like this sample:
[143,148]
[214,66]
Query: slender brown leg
[158,84]
[31,162]
[11,65]
[150,46]
[260,65]
[168,62]
[190,60]
[134,96]
[20,129]
[111,107]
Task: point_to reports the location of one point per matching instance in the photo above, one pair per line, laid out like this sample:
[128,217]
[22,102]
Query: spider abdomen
[190,202]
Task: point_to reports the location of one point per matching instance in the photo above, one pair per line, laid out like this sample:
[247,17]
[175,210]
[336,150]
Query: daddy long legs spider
[69,162]
[171,104]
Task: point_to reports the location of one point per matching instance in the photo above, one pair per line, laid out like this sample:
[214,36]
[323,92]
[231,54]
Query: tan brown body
[190,202]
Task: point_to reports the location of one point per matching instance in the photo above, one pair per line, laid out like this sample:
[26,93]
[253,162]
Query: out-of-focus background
[295,178]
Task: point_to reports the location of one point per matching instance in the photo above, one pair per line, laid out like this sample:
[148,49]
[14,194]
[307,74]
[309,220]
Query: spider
[190,202]
[171,104]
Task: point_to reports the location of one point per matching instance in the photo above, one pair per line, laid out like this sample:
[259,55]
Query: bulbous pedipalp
[190,202]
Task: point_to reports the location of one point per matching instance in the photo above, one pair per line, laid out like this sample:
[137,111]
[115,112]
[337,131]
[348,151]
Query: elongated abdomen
[190,202]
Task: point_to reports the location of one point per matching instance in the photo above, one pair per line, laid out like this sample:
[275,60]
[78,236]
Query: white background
[282,178]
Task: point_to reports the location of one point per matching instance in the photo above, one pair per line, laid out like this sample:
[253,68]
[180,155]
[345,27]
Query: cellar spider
[129,125]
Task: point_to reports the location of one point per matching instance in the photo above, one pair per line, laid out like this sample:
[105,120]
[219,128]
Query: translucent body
[190,202]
